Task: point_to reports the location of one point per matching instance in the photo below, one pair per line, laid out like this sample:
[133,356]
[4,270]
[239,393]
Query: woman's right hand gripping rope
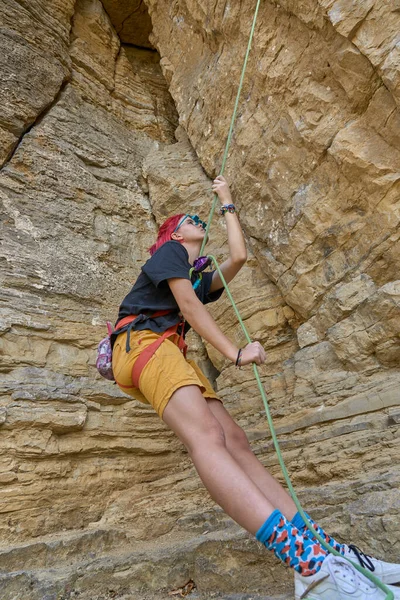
[252,353]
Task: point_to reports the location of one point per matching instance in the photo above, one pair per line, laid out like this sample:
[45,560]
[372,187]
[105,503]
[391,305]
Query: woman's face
[191,228]
[195,220]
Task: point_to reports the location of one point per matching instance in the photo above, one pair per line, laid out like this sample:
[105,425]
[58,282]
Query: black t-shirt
[152,293]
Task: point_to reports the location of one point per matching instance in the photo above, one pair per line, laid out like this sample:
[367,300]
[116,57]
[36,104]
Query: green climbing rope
[233,119]
[366,573]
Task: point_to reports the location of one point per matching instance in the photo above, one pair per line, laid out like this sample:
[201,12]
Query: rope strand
[323,543]
[233,120]
[285,473]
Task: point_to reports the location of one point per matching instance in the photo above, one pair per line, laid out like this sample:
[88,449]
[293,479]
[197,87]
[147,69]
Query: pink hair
[165,232]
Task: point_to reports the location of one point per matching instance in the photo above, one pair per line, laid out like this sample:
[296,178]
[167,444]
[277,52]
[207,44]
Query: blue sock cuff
[298,521]
[267,528]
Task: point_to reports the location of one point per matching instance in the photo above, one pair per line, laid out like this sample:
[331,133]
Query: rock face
[98,498]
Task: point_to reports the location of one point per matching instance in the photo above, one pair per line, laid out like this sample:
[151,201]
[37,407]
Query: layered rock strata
[315,166]
[97,497]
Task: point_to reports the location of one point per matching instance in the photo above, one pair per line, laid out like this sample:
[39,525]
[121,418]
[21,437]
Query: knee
[210,435]
[236,440]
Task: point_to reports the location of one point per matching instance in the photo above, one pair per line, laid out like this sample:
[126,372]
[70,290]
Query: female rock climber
[149,364]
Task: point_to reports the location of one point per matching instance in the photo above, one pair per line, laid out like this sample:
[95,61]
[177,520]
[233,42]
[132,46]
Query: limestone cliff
[115,115]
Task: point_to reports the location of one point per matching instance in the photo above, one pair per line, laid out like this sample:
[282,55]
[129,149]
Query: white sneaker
[386,572]
[338,580]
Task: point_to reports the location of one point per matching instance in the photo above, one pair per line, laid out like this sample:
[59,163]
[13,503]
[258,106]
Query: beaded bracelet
[238,362]
[227,208]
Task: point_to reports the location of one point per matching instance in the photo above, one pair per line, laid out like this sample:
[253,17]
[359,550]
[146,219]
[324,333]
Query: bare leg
[189,416]
[238,446]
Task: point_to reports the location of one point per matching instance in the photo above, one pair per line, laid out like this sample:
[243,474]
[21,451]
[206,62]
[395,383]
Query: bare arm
[237,247]
[202,322]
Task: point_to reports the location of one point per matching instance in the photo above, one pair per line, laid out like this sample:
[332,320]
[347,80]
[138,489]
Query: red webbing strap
[130,318]
[148,352]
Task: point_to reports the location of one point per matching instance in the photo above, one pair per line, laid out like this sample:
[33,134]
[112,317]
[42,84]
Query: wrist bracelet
[238,362]
[227,208]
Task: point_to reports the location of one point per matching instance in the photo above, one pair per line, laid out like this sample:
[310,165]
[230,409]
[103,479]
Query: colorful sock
[298,522]
[292,547]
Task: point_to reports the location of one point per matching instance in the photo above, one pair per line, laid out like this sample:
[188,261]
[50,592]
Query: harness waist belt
[148,352]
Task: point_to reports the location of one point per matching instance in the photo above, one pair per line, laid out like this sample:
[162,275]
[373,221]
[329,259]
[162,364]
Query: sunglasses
[196,220]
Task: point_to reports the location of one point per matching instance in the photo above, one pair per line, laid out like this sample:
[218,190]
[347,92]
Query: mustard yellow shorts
[166,371]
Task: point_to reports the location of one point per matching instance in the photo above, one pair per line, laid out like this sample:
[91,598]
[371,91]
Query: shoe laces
[364,559]
[349,573]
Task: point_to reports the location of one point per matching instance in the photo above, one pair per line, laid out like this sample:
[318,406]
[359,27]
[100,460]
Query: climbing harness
[126,324]
[202,260]
[148,352]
